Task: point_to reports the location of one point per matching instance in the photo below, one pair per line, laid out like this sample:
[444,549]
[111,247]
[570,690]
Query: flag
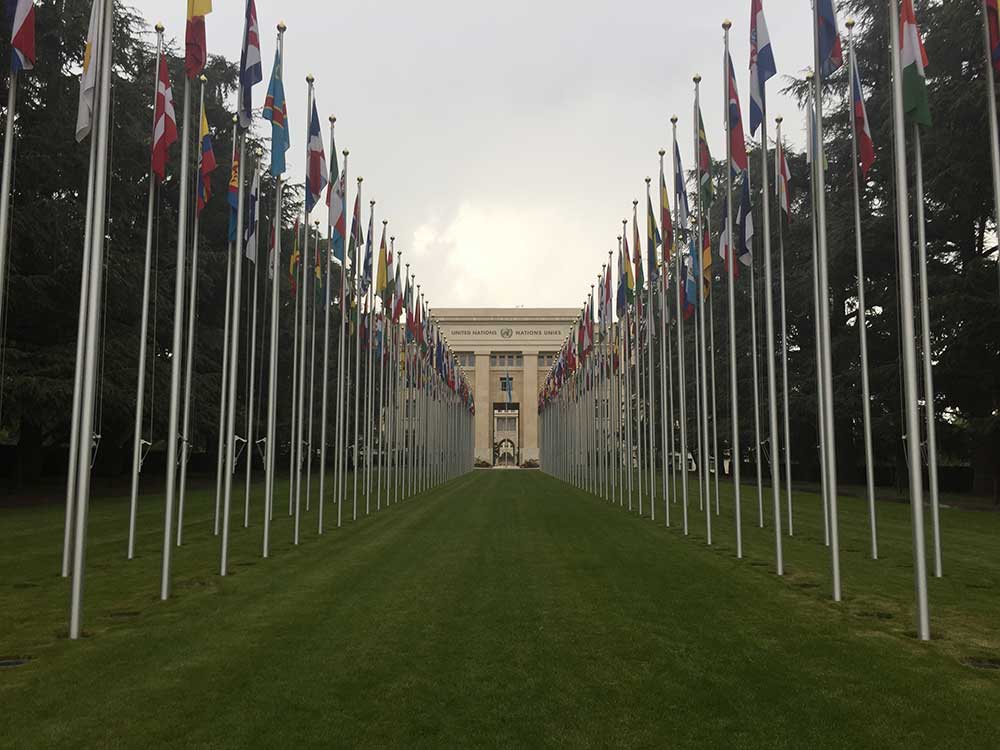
[640,280]
[398,298]
[993,27]
[390,280]
[234,195]
[629,279]
[337,219]
[913,60]
[206,165]
[831,54]
[866,146]
[381,277]
[164,121]
[689,274]
[250,230]
[652,239]
[316,175]
[318,272]
[707,186]
[276,110]
[270,253]
[666,220]
[706,262]
[22,35]
[356,239]
[195,46]
[251,72]
[680,191]
[293,261]
[744,225]
[781,183]
[509,386]
[737,142]
[762,66]
[88,78]
[366,271]
[622,297]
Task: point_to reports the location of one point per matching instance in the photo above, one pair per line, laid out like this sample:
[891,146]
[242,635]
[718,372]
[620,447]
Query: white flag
[88,79]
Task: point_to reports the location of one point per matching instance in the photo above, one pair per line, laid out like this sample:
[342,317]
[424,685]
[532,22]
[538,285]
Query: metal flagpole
[664,393]
[698,356]
[711,378]
[925,329]
[908,345]
[102,107]
[650,405]
[381,408]
[293,411]
[681,375]
[189,359]
[357,366]
[772,387]
[862,312]
[991,101]
[249,445]
[734,449]
[824,320]
[8,165]
[343,375]
[398,423]
[756,383]
[784,340]
[177,347]
[626,368]
[234,345]
[369,378]
[704,467]
[334,181]
[140,390]
[224,381]
[312,376]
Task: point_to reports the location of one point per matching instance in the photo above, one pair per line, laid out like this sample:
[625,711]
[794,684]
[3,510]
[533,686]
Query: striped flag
[737,142]
[316,174]
[293,260]
[653,239]
[366,272]
[831,53]
[22,34]
[913,60]
[337,220]
[234,195]
[195,46]
[680,192]
[781,183]
[164,121]
[276,110]
[88,78]
[762,66]
[206,165]
[251,72]
[640,280]
[707,186]
[993,28]
[250,231]
[666,220]
[866,146]
[382,276]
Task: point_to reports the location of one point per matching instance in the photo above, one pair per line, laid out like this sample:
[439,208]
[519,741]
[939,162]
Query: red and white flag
[781,184]
[22,35]
[164,122]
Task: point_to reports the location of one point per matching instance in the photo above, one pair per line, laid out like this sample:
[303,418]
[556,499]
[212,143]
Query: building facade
[505,354]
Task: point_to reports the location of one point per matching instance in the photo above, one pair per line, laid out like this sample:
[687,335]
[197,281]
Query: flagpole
[94,278]
[249,445]
[991,100]
[824,323]
[651,434]
[784,347]
[189,360]
[626,367]
[772,387]
[681,375]
[664,393]
[177,347]
[224,384]
[862,312]
[397,421]
[925,326]
[334,180]
[342,375]
[636,356]
[293,410]
[312,376]
[234,345]
[357,363]
[908,344]
[731,268]
[8,168]
[369,377]
[140,390]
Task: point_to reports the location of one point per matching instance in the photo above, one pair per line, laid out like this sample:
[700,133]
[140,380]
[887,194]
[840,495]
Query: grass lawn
[505,609]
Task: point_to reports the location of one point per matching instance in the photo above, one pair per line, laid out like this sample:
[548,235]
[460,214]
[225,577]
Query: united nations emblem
[506,333]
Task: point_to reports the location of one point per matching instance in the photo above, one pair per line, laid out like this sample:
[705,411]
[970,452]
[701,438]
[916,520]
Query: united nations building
[505,354]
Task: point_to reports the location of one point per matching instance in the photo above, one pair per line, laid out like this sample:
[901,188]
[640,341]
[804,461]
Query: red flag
[737,143]
[195,46]
[164,121]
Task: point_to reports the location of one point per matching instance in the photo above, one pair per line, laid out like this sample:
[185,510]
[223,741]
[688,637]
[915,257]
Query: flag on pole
[640,280]
[206,165]
[337,220]
[88,78]
[680,192]
[762,66]
[270,253]
[250,231]
[653,239]
[390,277]
[164,121]
[398,298]
[622,296]
[22,35]
[707,186]
[276,110]
[689,279]
[866,146]
[737,142]
[366,271]
[382,277]
[195,46]
[316,174]
[629,279]
[706,262]
[251,72]
[356,240]
[913,60]
[234,195]
[318,272]
[744,225]
[993,27]
[293,261]
[666,220]
[831,54]
[781,183]
[508,386]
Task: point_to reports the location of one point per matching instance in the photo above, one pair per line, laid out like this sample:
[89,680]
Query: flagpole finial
[727,24]
[647,184]
[384,221]
[346,153]
[235,119]
[372,203]
[635,203]
[661,152]
[779,120]
[333,119]
[159,27]
[393,239]
[673,119]
[809,76]
[697,78]
[360,179]
[850,23]
[203,78]
[316,223]
[310,79]
[281,27]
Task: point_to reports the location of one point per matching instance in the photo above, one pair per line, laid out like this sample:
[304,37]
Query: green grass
[504,609]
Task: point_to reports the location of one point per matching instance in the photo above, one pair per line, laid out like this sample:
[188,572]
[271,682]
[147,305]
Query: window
[494,360]
[506,385]
[519,360]
[506,424]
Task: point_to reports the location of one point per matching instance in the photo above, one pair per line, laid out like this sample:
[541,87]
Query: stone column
[484,409]
[529,408]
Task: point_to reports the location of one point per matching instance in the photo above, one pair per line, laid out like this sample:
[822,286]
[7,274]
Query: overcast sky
[505,142]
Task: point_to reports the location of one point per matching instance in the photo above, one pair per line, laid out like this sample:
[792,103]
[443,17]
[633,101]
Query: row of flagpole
[413,409]
[593,408]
